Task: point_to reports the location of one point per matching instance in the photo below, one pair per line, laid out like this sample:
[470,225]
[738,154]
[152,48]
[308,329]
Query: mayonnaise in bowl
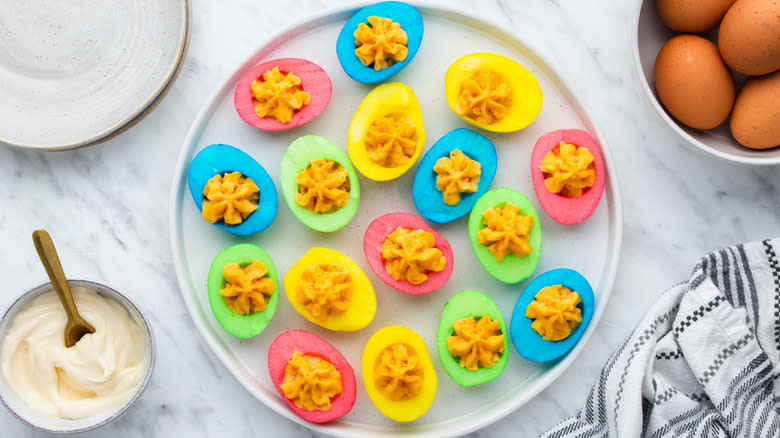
[82,386]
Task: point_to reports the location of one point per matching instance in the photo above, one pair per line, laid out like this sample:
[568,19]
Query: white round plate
[73,73]
[592,247]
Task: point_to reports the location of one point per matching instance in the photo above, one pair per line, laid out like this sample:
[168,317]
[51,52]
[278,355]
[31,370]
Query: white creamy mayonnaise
[100,373]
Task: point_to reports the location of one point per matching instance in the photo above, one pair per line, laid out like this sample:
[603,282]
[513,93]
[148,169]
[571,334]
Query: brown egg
[693,83]
[693,16]
[755,121]
[749,36]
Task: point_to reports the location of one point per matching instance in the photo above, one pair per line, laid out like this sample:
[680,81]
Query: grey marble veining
[107,209]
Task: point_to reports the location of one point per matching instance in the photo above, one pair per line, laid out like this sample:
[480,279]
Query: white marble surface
[107,209]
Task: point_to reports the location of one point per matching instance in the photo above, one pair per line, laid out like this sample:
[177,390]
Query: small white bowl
[57,425]
[651,34]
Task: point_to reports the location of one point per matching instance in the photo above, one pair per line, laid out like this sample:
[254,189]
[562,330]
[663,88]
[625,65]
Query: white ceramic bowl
[56,425]
[651,34]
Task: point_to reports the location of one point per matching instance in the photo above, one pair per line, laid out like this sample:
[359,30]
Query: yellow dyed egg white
[403,410]
[362,301]
[387,100]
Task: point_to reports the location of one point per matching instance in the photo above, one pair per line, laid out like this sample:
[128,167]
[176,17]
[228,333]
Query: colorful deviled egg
[492,92]
[506,235]
[319,183]
[398,373]
[329,289]
[243,289]
[551,315]
[453,174]
[282,94]
[312,377]
[379,41]
[407,254]
[232,190]
[472,338]
[567,169]
[386,135]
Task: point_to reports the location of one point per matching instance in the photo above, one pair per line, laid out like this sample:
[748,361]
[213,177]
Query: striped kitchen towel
[703,362]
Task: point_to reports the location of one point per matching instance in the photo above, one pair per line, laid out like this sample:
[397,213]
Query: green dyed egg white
[241,326]
[464,305]
[511,269]
[298,157]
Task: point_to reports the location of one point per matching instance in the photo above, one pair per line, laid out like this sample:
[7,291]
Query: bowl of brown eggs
[711,70]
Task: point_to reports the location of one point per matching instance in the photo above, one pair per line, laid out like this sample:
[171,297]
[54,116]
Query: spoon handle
[51,262]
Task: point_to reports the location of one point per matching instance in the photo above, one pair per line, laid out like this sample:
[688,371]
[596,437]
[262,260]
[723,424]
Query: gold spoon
[76,326]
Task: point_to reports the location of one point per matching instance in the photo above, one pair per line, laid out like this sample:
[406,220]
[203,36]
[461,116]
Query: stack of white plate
[78,72]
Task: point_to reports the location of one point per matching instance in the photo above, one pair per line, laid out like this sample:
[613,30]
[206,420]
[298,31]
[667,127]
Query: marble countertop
[107,208]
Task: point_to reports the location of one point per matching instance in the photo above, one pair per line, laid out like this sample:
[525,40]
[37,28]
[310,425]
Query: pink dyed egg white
[563,209]
[281,351]
[375,236]
[314,80]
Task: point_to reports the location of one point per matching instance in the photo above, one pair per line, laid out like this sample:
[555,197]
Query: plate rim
[142,110]
[447,428]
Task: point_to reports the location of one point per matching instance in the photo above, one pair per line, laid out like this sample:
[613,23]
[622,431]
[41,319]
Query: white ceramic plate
[651,34]
[591,247]
[73,73]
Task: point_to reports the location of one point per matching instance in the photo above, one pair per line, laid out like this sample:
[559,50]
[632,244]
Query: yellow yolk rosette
[503,95]
[361,308]
[310,381]
[569,170]
[230,197]
[456,174]
[380,43]
[406,404]
[555,312]
[506,231]
[477,342]
[247,288]
[323,186]
[386,135]
[409,254]
[278,95]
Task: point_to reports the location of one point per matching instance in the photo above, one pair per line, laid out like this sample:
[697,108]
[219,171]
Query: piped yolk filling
[229,197]
[278,95]
[323,186]
[506,231]
[246,288]
[391,140]
[398,374]
[555,312]
[310,382]
[568,170]
[456,174]
[325,290]
[409,254]
[477,343]
[382,42]
[485,96]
